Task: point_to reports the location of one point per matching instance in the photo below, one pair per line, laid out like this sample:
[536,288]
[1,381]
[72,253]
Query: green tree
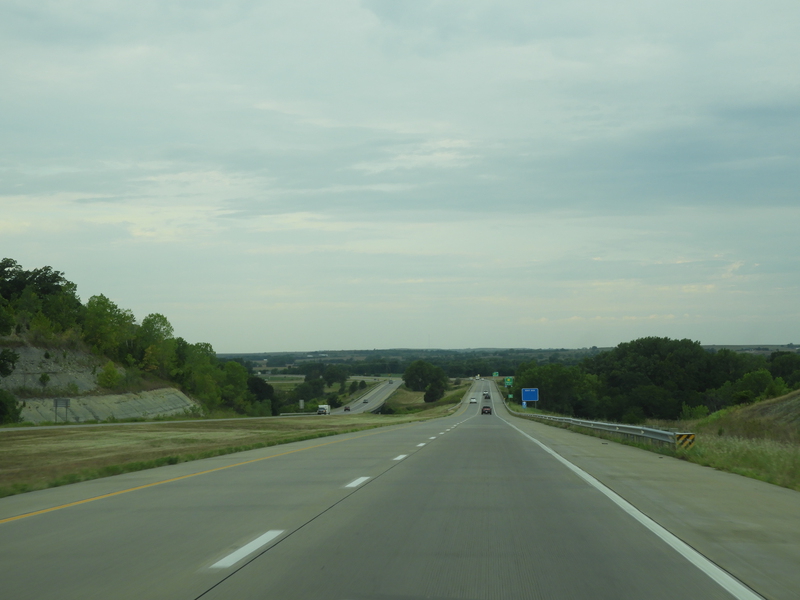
[752,385]
[63,307]
[8,360]
[109,377]
[434,391]
[335,373]
[421,374]
[787,366]
[7,319]
[155,329]
[108,328]
[233,383]
[261,390]
[44,379]
[10,410]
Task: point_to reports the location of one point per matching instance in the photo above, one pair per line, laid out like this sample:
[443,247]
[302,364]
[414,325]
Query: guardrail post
[684,440]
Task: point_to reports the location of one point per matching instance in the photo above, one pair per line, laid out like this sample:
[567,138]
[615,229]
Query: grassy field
[404,401]
[32,459]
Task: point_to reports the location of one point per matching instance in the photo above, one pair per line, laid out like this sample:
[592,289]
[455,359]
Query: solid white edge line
[356,482]
[247,549]
[724,579]
[401,457]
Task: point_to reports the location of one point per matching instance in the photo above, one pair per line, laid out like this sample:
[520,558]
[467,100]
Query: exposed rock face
[75,371]
[167,401]
[72,375]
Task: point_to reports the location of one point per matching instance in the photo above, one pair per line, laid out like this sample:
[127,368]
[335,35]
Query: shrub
[109,377]
[10,411]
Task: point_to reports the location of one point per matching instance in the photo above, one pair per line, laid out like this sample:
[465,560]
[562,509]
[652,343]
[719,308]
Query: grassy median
[32,459]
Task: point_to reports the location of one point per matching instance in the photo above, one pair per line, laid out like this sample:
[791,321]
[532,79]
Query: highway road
[373,398]
[468,507]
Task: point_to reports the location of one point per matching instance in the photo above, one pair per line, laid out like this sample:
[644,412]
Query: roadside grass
[405,401]
[770,460]
[763,459]
[32,459]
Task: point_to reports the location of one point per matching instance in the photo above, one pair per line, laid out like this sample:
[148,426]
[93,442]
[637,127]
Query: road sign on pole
[530,394]
[509,381]
[60,403]
[495,374]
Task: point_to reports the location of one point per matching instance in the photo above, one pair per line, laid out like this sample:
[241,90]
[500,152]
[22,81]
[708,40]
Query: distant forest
[658,378]
[648,378]
[651,377]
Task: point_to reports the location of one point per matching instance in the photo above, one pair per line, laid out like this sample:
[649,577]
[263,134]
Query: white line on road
[432,438]
[247,549]
[420,445]
[401,457]
[727,581]
[357,482]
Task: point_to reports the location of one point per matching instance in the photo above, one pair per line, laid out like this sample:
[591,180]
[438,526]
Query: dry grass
[404,401]
[33,459]
[405,397]
[777,419]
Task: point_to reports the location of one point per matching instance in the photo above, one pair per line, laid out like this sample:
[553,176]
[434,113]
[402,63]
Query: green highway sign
[495,374]
[509,381]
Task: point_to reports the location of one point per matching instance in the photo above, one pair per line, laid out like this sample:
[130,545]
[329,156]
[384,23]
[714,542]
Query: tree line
[658,378]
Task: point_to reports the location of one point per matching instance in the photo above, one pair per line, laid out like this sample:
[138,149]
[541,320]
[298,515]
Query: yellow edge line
[149,485]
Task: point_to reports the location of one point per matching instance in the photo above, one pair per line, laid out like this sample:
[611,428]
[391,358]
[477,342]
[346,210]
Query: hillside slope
[148,404]
[776,419]
[73,374]
[69,372]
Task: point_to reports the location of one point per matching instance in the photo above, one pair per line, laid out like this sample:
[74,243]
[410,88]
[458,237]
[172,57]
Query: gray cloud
[557,174]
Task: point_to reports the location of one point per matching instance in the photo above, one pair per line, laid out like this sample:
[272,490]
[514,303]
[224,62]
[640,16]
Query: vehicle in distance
[486,394]
[486,410]
[365,400]
[346,409]
[473,400]
[324,409]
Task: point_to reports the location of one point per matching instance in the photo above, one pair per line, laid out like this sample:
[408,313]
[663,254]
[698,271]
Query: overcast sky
[299,175]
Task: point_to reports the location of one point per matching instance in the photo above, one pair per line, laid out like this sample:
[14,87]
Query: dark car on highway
[486,410]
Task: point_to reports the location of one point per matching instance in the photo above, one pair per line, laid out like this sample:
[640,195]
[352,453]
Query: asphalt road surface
[467,507]
[372,399]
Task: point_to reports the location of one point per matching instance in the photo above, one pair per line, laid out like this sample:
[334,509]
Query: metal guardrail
[678,440]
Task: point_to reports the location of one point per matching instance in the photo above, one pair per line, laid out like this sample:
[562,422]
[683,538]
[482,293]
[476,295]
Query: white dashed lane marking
[247,549]
[356,482]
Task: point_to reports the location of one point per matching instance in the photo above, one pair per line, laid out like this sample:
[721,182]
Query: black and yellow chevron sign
[684,440]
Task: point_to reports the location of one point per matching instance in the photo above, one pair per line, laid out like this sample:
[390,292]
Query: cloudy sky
[299,175]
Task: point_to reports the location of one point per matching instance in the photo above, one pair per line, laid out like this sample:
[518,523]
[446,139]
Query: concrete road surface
[464,507]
